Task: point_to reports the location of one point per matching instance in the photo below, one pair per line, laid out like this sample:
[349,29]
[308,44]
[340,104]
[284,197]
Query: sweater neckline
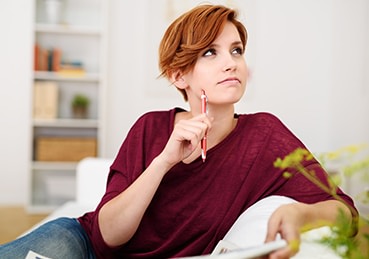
[228,138]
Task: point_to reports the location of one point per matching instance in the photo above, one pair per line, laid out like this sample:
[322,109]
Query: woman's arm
[120,217]
[292,219]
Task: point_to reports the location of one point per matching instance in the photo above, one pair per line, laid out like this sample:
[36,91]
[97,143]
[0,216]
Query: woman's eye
[209,52]
[238,51]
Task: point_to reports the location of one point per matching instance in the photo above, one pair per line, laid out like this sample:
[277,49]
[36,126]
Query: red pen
[204,100]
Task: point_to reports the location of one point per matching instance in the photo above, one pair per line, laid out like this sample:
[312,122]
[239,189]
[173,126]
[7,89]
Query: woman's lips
[230,80]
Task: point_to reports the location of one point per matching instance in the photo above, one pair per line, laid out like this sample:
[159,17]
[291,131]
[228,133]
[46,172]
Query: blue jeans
[60,238]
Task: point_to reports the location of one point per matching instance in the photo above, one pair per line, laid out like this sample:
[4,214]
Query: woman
[162,199]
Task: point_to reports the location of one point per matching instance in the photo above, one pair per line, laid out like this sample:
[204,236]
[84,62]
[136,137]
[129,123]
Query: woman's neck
[223,123]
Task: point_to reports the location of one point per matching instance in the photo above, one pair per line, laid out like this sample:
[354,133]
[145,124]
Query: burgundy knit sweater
[197,203]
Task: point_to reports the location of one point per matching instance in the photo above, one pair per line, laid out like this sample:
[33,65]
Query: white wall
[349,93]
[308,59]
[16,47]
[291,66]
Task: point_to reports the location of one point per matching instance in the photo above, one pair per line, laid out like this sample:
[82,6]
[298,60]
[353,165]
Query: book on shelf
[47,59]
[71,68]
[45,100]
[51,60]
[56,59]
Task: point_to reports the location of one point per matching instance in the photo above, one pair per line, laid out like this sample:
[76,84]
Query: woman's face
[220,70]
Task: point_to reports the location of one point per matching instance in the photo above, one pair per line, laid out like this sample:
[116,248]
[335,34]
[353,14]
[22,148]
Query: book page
[33,255]
[228,251]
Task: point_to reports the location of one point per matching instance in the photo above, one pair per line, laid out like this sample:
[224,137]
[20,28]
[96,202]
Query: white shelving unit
[81,35]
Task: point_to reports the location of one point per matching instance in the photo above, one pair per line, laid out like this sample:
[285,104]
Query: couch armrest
[92,173]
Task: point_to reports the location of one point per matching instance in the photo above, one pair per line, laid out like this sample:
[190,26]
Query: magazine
[226,250]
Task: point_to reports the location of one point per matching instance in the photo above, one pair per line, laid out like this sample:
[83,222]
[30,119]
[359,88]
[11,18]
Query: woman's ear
[178,80]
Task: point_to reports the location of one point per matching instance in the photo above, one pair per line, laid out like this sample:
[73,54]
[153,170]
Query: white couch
[248,230]
[91,176]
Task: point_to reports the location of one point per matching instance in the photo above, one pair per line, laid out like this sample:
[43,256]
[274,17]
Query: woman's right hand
[184,139]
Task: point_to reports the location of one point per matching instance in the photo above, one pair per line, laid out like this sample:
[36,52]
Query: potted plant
[80,105]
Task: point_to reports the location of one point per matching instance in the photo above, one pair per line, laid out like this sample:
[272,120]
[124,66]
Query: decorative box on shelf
[65,148]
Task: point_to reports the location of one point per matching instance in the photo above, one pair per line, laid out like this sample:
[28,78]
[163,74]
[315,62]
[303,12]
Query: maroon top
[197,203]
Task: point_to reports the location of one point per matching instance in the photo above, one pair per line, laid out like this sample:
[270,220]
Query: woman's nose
[229,63]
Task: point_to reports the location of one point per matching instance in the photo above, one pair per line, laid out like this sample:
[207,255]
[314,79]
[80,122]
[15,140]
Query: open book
[224,250]
[227,250]
[246,237]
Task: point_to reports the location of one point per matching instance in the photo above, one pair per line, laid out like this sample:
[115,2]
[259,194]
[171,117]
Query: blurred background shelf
[70,60]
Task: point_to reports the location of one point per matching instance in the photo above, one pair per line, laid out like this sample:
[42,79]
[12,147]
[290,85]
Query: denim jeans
[58,239]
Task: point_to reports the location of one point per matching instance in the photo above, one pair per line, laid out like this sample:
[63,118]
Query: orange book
[57,53]
[36,57]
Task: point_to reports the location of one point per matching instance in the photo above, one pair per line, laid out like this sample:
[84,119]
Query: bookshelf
[70,58]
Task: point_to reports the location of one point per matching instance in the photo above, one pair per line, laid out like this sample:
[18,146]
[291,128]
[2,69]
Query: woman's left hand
[288,221]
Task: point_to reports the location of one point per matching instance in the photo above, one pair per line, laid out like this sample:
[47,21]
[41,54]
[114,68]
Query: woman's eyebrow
[235,43]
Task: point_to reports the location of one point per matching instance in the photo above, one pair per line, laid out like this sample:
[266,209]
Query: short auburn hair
[190,34]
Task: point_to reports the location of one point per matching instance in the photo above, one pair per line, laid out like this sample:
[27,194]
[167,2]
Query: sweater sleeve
[283,142]
[131,160]
[117,182]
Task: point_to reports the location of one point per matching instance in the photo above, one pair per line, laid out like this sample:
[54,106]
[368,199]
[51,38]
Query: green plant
[81,101]
[354,161]
[340,241]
